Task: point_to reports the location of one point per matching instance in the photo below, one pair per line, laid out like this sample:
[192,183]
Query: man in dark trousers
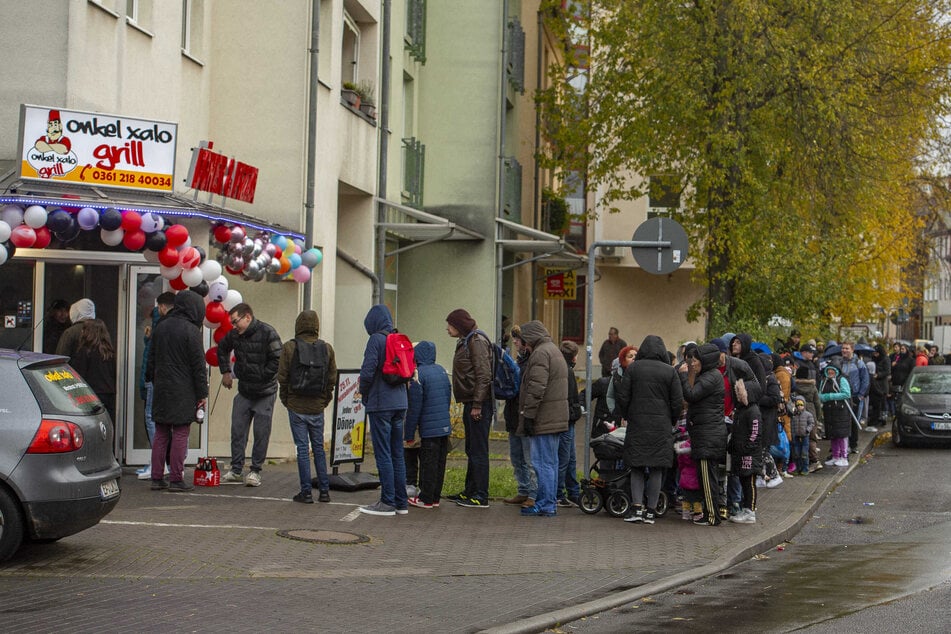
[610,349]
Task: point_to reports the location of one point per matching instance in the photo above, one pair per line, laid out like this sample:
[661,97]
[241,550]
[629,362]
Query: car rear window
[60,390]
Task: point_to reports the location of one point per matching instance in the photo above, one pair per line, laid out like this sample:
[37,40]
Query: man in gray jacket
[543,412]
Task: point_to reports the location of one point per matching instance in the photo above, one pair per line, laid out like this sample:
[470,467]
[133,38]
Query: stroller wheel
[590,500]
[618,504]
[663,503]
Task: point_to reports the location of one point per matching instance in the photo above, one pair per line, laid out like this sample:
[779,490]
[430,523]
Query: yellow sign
[560,284]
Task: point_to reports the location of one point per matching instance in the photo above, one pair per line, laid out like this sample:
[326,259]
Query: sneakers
[535,511]
[517,499]
[412,491]
[179,486]
[253,479]
[232,477]
[456,497]
[145,473]
[574,500]
[529,503]
[831,462]
[705,520]
[841,462]
[760,482]
[402,511]
[775,482]
[790,474]
[649,516]
[745,516]
[304,498]
[159,485]
[686,514]
[563,503]
[815,466]
[472,503]
[853,450]
[637,515]
[324,496]
[378,509]
[415,501]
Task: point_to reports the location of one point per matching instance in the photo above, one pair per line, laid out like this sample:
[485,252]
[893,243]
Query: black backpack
[308,374]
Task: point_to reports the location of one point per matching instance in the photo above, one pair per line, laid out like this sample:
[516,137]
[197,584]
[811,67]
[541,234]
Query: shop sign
[560,284]
[350,420]
[96,149]
[217,174]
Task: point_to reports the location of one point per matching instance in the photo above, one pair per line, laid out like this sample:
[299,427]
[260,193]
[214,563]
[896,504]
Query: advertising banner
[96,149]
[560,284]
[350,420]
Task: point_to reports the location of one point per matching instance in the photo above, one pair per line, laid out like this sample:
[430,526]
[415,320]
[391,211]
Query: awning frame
[426,223]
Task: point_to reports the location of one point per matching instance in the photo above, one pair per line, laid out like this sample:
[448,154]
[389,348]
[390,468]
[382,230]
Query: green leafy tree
[801,130]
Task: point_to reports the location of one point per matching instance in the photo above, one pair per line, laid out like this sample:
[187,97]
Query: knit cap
[461,320]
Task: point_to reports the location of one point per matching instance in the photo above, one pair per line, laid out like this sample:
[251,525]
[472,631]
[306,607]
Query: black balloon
[201,289]
[201,254]
[155,241]
[58,221]
[11,249]
[70,233]
[110,219]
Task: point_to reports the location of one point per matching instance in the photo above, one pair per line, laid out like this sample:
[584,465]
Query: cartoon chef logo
[52,154]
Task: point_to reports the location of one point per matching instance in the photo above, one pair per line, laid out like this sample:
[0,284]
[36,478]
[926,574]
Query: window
[139,13]
[515,62]
[415,39]
[414,160]
[513,188]
[193,24]
[350,58]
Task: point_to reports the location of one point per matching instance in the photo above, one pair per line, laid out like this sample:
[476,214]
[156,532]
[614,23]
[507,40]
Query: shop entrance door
[145,285]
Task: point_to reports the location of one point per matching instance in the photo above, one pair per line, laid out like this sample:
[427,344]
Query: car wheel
[11,525]
[590,501]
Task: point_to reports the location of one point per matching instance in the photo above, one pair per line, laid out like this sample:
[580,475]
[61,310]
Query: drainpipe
[499,252]
[362,268]
[384,148]
[311,165]
[536,210]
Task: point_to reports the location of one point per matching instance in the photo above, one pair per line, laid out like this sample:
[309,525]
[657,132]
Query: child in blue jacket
[430,393]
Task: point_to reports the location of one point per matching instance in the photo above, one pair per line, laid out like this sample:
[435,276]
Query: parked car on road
[924,408]
[58,472]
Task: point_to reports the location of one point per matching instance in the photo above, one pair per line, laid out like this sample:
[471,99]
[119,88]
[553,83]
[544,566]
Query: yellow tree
[798,129]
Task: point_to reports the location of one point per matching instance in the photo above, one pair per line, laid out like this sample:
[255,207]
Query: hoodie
[377,394]
[80,311]
[543,395]
[306,329]
[835,394]
[430,394]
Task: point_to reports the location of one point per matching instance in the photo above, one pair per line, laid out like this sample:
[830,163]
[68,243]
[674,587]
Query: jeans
[800,453]
[567,465]
[386,432]
[432,468]
[545,461]
[246,412]
[308,433]
[734,490]
[520,453]
[174,437]
[477,450]
[149,421]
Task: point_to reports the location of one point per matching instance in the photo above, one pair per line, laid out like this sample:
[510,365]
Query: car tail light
[56,436]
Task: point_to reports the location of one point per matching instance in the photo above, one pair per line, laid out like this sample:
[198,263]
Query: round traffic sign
[660,260]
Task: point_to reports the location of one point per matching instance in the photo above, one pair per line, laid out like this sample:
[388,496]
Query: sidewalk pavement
[215,558]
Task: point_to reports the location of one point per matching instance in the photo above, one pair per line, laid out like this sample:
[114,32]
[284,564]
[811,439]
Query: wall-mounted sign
[560,284]
[96,149]
[217,174]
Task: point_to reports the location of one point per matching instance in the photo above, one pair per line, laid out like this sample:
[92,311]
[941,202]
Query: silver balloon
[248,247]
[237,263]
[258,248]
[270,248]
[252,268]
[237,234]
[274,266]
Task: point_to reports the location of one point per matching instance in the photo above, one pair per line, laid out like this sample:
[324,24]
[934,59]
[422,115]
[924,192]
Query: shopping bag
[207,473]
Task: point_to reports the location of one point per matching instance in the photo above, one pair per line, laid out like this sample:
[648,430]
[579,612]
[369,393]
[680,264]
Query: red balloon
[131,221]
[211,356]
[23,236]
[216,313]
[233,271]
[176,236]
[222,330]
[43,238]
[189,258]
[222,234]
[178,284]
[134,240]
[168,257]
[278,252]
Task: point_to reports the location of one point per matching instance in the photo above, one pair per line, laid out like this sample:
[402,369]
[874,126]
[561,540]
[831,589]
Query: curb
[783,532]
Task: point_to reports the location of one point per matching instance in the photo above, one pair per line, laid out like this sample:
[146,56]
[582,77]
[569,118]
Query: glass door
[145,285]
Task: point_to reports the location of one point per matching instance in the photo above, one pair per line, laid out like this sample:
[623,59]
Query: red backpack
[399,363]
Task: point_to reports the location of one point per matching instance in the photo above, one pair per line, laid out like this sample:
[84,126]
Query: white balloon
[35,216]
[232,299]
[151,222]
[210,324]
[210,270]
[12,215]
[112,238]
[5,231]
[191,277]
[218,289]
[3,254]
[170,272]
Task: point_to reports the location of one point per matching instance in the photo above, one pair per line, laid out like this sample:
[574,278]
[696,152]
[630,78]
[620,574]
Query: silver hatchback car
[58,473]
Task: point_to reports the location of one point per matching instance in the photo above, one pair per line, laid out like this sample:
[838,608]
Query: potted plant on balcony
[351,94]
[367,106]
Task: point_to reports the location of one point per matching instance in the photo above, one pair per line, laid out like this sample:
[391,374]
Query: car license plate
[941,426]
[109,489]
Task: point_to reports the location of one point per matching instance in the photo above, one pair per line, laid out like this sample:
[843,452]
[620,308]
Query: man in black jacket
[257,350]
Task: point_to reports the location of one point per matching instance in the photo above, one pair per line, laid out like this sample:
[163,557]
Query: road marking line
[258,497]
[352,515]
[166,525]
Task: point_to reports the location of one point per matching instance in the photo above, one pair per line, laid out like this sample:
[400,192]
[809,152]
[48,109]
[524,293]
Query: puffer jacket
[802,423]
[751,357]
[472,368]
[651,398]
[543,393]
[429,396]
[835,394]
[257,353]
[176,364]
[705,423]
[746,441]
[377,394]
[307,329]
[807,389]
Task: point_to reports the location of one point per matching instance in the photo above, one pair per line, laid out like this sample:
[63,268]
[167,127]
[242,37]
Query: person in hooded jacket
[702,386]
[569,490]
[806,387]
[543,412]
[836,394]
[385,405]
[770,403]
[79,311]
[430,395]
[176,368]
[878,388]
[520,448]
[651,399]
[305,408]
[746,453]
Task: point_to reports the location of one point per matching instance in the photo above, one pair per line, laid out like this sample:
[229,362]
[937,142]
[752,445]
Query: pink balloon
[189,258]
[301,274]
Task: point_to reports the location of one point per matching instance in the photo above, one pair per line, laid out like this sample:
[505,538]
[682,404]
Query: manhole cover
[323,537]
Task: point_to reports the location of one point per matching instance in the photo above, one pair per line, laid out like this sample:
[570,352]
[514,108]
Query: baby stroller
[608,484]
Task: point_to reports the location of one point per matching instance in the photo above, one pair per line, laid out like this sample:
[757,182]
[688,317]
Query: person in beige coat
[543,412]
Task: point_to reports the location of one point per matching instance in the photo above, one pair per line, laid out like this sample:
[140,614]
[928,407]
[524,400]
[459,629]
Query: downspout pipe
[384,145]
[503,107]
[310,168]
[536,206]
